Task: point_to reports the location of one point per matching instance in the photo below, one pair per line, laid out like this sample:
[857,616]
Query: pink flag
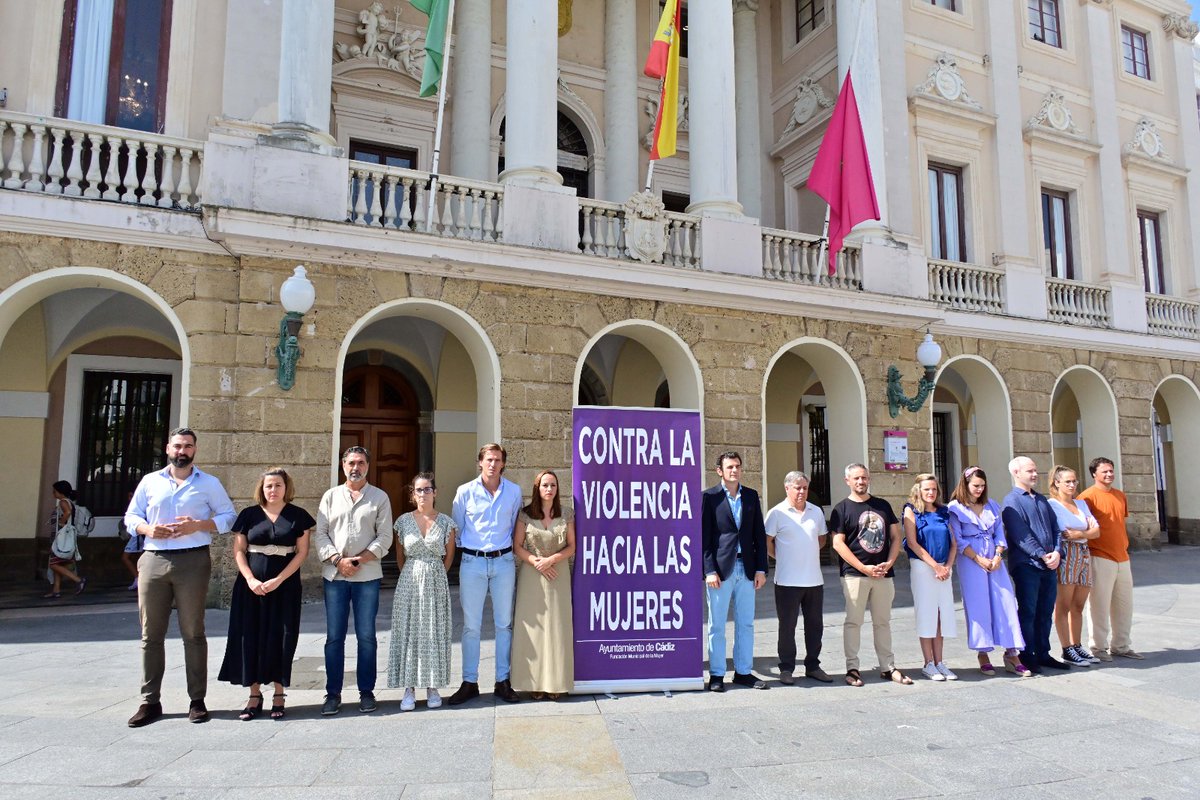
[841,175]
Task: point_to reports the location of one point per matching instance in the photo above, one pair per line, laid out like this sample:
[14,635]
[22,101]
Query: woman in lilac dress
[987,591]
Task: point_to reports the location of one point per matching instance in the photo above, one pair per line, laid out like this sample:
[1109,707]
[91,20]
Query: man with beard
[177,510]
[866,535]
[354,533]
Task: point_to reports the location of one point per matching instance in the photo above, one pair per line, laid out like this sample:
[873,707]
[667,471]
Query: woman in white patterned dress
[419,654]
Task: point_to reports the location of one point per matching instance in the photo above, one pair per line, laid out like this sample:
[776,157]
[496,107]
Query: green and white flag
[435,41]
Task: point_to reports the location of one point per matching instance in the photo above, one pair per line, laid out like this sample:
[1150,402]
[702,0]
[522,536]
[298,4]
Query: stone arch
[803,370]
[1081,394]
[679,366]
[985,414]
[579,112]
[466,338]
[1176,415]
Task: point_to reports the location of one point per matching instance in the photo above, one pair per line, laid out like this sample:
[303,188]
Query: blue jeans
[1036,590]
[740,589]
[339,596]
[477,578]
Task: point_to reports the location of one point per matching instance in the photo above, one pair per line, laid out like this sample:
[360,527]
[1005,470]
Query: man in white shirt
[795,535]
[177,510]
[485,513]
[354,533]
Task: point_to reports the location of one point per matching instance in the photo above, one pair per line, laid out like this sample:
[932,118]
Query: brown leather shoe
[465,692]
[197,712]
[505,692]
[146,713]
[818,674]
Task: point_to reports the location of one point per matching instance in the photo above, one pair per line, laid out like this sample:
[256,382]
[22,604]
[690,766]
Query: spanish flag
[663,63]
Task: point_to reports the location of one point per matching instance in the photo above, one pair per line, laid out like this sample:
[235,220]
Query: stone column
[1187,276]
[531,93]
[305,72]
[749,136]
[471,90]
[712,130]
[621,99]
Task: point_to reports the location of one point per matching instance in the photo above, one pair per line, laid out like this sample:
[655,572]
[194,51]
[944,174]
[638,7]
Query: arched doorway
[94,371]
[1083,421]
[638,363]
[815,418]
[1175,416]
[971,421]
[574,160]
[380,411]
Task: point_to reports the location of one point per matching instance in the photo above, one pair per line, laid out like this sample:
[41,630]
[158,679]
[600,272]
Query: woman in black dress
[270,543]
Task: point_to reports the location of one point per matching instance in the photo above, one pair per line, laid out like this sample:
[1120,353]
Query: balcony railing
[966,287]
[602,233]
[797,257]
[97,162]
[1170,316]
[1078,303]
[399,199]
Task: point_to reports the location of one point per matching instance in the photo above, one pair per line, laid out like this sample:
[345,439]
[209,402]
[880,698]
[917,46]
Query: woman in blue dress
[931,552]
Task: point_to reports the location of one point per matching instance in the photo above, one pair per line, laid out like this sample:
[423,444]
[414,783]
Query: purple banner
[638,586]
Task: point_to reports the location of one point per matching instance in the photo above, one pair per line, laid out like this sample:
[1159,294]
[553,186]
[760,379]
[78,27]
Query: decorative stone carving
[1054,114]
[568,91]
[1181,26]
[564,17]
[646,227]
[1146,142]
[751,5]
[385,43]
[944,81]
[809,97]
[651,109]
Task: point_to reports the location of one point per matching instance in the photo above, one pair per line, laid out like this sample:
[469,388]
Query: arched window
[574,161]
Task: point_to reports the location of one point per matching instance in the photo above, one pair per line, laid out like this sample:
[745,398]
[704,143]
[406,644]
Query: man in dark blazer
[735,567]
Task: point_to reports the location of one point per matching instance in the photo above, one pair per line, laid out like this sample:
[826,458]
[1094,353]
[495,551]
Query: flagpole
[849,67]
[824,237]
[431,199]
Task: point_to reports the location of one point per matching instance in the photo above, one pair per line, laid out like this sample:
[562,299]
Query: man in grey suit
[734,544]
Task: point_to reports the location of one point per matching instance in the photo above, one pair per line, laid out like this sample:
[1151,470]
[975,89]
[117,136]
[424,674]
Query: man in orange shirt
[1111,599]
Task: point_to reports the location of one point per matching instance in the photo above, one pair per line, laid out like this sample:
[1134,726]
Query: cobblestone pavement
[1130,729]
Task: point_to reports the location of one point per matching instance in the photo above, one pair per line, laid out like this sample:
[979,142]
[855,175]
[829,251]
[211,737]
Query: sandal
[277,709]
[853,678]
[52,595]
[985,666]
[250,712]
[1013,664]
[896,676]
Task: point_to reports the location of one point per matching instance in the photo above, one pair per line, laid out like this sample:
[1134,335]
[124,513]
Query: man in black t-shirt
[866,535]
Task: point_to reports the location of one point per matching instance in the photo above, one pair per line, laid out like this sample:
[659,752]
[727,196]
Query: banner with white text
[638,588]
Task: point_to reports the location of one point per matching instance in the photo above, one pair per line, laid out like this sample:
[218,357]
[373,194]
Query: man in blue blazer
[735,567]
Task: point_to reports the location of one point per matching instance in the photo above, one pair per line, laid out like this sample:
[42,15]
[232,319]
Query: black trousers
[790,601]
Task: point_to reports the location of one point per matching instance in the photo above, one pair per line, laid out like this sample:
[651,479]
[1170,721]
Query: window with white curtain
[113,62]
[1150,230]
[1056,234]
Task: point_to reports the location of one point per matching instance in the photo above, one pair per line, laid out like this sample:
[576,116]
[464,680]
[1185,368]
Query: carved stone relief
[1146,142]
[1181,26]
[646,227]
[809,97]
[651,109]
[944,82]
[385,43]
[1054,114]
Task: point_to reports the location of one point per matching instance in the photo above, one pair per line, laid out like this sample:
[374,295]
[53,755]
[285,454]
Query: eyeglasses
[424,490]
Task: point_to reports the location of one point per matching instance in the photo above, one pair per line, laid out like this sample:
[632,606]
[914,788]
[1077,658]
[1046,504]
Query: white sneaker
[432,698]
[946,673]
[410,700]
[931,671]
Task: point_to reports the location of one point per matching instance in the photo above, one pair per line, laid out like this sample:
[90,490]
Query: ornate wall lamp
[297,296]
[929,354]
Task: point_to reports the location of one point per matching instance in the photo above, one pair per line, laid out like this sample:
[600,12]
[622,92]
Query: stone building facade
[159,272]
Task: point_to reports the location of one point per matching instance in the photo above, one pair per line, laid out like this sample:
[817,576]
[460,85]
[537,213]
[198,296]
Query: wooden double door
[380,412]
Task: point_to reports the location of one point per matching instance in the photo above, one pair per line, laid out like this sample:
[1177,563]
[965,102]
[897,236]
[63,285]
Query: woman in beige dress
[543,648]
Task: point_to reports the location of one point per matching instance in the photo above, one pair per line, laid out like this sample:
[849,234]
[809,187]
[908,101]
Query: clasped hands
[182,526]
[544,565]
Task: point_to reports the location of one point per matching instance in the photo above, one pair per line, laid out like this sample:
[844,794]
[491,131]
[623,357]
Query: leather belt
[271,549]
[485,553]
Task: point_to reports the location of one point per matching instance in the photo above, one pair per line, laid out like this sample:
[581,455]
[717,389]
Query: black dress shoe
[716,684]
[818,674]
[465,692]
[197,712]
[749,680]
[146,713]
[1052,663]
[505,692]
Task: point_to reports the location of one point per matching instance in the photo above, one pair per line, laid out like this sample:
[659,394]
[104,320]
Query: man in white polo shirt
[795,536]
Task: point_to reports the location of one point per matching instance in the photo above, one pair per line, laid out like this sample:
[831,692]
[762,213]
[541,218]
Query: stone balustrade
[967,287]
[399,199]
[1171,316]
[602,226]
[97,162]
[1078,303]
[799,258]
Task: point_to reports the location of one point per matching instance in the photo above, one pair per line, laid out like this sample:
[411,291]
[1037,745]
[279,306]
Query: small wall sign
[895,451]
